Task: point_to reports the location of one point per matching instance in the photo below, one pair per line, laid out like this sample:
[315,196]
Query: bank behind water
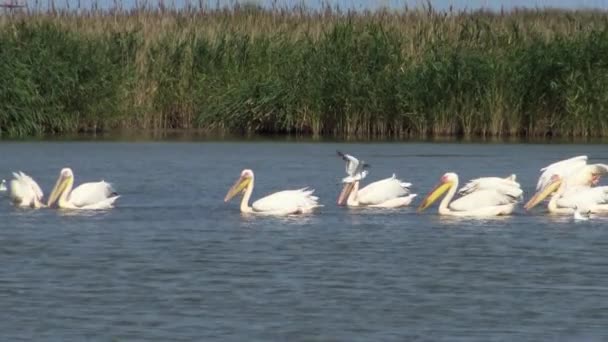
[245,70]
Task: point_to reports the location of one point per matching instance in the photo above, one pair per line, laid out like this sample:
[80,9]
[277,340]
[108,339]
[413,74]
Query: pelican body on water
[486,196]
[572,183]
[287,202]
[386,193]
[571,186]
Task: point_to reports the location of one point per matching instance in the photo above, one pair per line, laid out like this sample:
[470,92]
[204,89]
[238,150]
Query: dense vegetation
[409,73]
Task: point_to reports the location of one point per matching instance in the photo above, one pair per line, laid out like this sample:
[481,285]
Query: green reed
[246,70]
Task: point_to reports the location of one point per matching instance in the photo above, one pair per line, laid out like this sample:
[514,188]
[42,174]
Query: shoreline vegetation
[413,73]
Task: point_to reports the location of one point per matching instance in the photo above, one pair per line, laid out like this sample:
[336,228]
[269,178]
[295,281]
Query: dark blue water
[172,262]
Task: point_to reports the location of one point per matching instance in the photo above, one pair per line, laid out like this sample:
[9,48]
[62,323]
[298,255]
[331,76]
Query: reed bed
[244,69]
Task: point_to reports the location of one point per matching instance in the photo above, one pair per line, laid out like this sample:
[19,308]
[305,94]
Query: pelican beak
[439,190]
[239,186]
[348,187]
[543,193]
[60,186]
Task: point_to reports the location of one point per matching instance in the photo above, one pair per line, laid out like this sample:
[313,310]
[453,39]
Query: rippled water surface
[172,262]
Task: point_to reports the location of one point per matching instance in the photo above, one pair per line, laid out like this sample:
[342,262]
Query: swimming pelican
[486,196]
[571,182]
[286,202]
[25,192]
[92,195]
[565,198]
[386,193]
[3,185]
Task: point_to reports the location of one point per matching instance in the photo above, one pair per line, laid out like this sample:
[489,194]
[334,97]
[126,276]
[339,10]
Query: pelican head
[539,196]
[240,185]
[445,182]
[65,180]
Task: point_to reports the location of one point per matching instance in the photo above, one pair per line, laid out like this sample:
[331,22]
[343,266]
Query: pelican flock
[26,193]
[571,183]
[570,186]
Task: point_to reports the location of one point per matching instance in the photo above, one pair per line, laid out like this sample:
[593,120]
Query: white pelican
[386,193]
[486,196]
[3,185]
[286,202]
[25,192]
[92,195]
[566,198]
[571,182]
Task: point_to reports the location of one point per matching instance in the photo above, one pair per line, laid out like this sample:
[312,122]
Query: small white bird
[578,216]
[3,185]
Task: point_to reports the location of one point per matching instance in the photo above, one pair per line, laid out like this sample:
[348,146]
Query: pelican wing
[562,168]
[488,191]
[484,198]
[92,194]
[289,201]
[382,191]
[24,189]
[488,183]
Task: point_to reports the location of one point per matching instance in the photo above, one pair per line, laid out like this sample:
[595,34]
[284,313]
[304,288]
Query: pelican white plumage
[386,193]
[25,192]
[565,198]
[3,185]
[86,196]
[288,202]
[486,196]
[572,183]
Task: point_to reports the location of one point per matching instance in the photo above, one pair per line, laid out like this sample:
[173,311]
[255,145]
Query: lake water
[172,262]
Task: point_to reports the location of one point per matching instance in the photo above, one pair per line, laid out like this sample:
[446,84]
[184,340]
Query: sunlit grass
[381,74]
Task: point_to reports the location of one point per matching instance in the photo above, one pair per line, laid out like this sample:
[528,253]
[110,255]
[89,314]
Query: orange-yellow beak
[346,190]
[543,193]
[437,191]
[240,185]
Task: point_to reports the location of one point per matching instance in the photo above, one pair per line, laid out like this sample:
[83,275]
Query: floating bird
[288,202]
[571,182]
[92,195]
[486,196]
[354,167]
[3,185]
[25,192]
[386,193]
[580,217]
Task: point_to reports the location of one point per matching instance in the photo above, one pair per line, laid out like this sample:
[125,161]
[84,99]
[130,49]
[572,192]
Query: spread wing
[353,165]
[562,168]
[24,189]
